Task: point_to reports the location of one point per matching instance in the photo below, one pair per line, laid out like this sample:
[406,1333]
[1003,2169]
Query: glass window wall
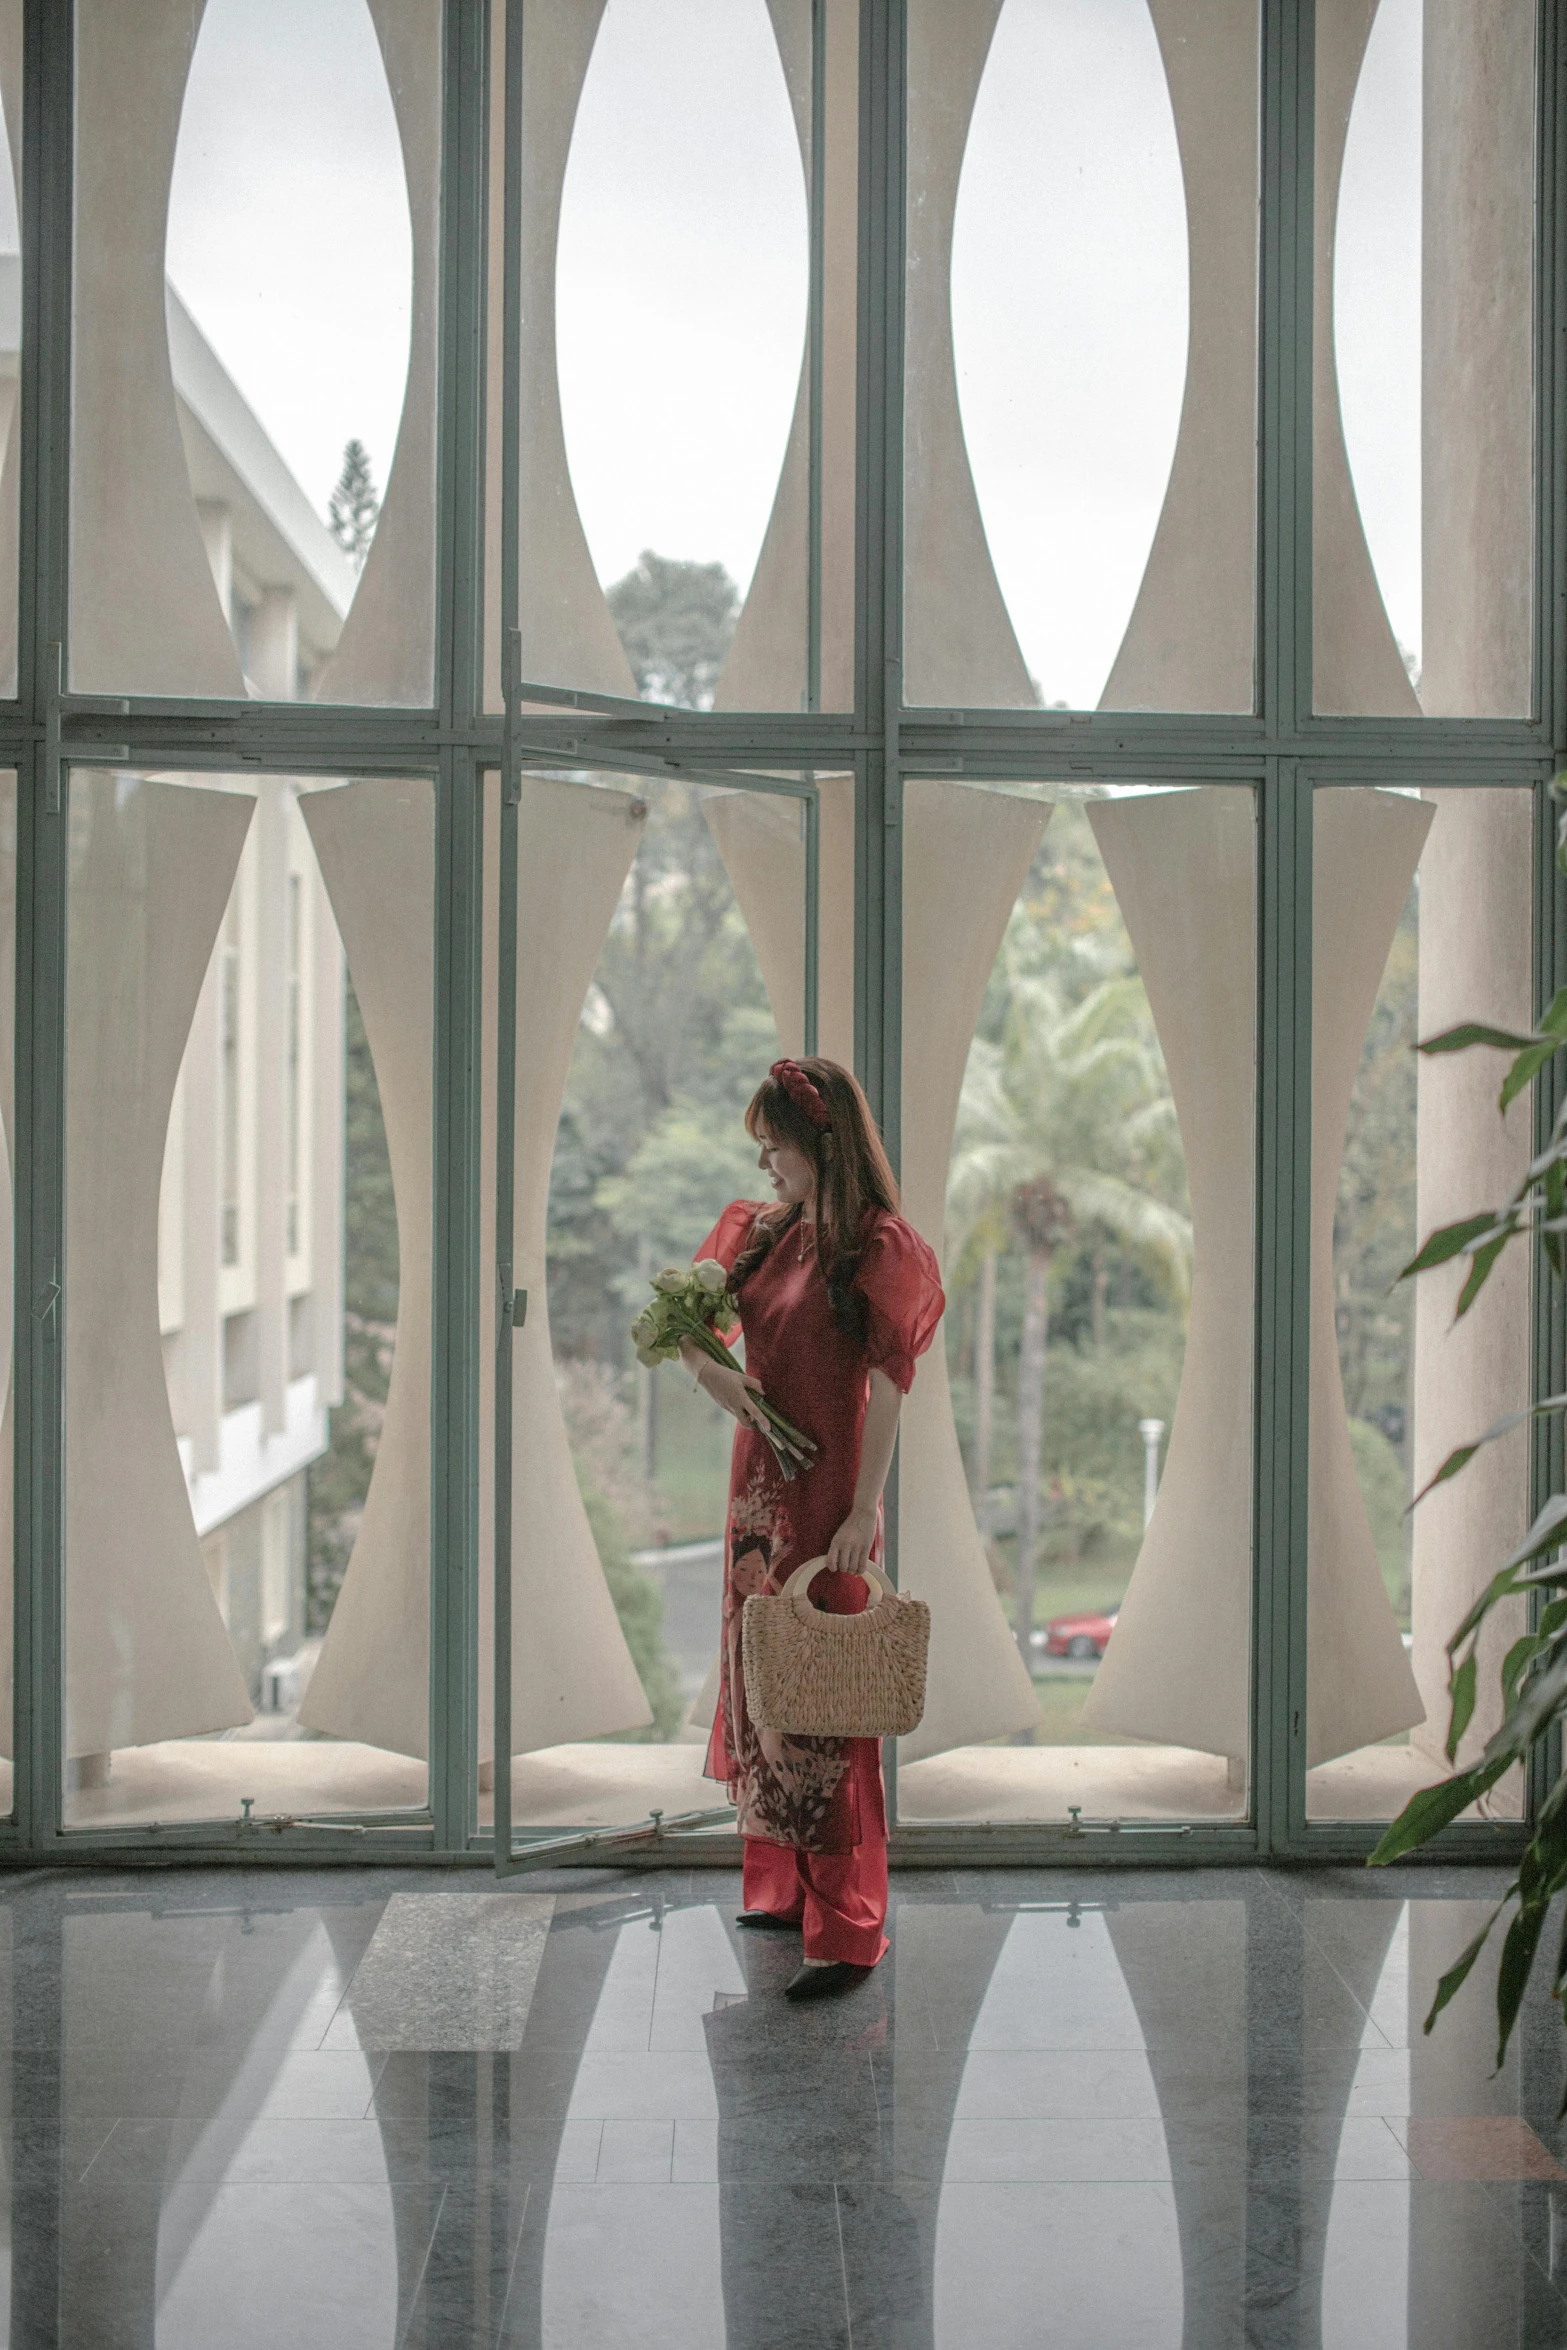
[254,350]
[859,397]
[662,943]
[686,399]
[1423,442]
[1074,1496]
[1421,919]
[1081,367]
[247,1342]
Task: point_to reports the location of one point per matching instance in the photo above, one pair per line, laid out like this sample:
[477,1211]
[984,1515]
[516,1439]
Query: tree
[675,621]
[355,505]
[1065,1128]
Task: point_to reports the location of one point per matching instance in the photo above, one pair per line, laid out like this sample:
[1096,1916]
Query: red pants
[840,1897]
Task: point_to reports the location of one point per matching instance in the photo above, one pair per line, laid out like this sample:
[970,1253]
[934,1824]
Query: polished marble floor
[1155,2111]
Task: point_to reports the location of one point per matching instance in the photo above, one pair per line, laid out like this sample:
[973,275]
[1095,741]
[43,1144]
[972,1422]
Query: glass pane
[666,538]
[1075,1467]
[1080,395]
[247,1313]
[1423,451]
[1421,918]
[253,471]
[661,968]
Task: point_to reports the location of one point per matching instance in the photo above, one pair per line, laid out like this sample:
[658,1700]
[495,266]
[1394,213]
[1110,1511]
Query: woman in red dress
[838,1299]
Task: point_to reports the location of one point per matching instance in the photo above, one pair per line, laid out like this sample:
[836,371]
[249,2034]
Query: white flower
[649,1357]
[671,1281]
[644,1329]
[710,1275]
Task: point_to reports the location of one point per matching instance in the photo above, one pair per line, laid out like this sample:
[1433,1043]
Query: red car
[1080,1637]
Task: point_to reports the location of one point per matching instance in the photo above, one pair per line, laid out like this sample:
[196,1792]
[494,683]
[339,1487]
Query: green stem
[711,1344]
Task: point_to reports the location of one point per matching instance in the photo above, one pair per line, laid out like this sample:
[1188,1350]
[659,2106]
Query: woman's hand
[850,1547]
[734,1392]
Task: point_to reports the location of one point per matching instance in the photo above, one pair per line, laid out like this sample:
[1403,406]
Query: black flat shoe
[762,1921]
[825,1982]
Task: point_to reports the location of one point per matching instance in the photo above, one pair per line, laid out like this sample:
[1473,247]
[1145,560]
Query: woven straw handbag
[819,1676]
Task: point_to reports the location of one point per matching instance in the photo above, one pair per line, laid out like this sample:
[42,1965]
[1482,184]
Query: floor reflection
[1144,2110]
[1087,2190]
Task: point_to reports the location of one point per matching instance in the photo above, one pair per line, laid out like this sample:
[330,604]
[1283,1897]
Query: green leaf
[1450,1241]
[1501,1586]
[1512,1666]
[1458,1973]
[1555,1211]
[1555,1021]
[1463,1454]
[1463,1703]
[1434,1808]
[1479,1274]
[1542,1535]
[1472,1032]
[1536,1708]
[1526,1068]
[1512,1977]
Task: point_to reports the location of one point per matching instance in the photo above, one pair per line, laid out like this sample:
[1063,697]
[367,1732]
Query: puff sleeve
[901,1285]
[730,1234]
[727,1238]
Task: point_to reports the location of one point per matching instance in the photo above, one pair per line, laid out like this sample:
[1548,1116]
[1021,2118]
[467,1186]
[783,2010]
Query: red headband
[802,1091]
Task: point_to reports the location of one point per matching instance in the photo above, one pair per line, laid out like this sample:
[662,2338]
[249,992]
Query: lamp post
[1150,1431]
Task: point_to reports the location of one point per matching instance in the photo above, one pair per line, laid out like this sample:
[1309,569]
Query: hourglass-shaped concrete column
[958,642]
[966,854]
[1360,1686]
[572,1674]
[375,844]
[145,617]
[146,1653]
[1357,668]
[568,637]
[1182,865]
[1477,374]
[386,652]
[1183,868]
[1188,644]
[765,668]
[1476,963]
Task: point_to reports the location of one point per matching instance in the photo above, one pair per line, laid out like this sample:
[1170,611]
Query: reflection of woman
[838,1298]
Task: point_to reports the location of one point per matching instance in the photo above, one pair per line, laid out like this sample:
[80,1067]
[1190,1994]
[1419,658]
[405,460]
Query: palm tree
[1066,1127]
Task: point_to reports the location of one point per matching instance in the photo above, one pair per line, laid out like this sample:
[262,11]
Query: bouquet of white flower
[693,1305]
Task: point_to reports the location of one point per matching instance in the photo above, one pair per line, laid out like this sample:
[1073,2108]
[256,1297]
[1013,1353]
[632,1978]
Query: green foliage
[1374,1216]
[1068,1153]
[640,1606]
[1094,1398]
[1065,1083]
[355,505]
[675,620]
[1379,1472]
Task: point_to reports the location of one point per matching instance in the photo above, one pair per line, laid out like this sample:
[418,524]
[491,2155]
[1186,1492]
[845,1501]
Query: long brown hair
[853,1174]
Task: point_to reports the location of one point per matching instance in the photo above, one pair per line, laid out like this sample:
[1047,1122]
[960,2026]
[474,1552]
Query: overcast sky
[682,284]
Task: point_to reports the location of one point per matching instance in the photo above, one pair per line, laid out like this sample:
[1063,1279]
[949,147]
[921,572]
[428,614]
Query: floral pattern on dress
[782,1786]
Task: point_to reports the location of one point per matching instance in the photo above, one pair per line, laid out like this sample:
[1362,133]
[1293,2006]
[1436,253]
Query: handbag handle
[870,1573]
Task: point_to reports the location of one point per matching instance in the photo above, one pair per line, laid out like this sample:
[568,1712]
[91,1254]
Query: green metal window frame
[1283,752]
